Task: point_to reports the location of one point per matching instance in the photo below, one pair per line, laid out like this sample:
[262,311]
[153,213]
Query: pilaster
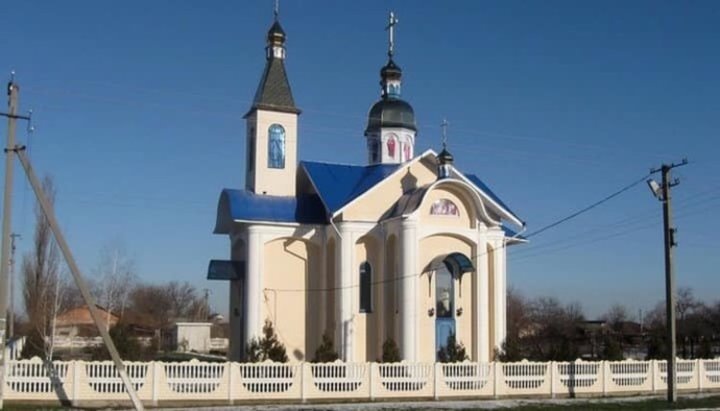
[409,297]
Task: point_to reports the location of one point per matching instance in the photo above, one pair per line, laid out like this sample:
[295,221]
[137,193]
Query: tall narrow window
[276,146]
[251,149]
[365,287]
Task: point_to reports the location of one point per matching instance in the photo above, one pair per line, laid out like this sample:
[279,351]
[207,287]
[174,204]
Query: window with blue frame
[365,287]
[276,146]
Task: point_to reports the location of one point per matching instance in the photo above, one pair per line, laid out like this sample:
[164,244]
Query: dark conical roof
[274,92]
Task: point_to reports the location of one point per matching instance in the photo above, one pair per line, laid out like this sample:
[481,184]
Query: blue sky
[138,112]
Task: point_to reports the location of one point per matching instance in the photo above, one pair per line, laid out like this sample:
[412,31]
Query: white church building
[406,247]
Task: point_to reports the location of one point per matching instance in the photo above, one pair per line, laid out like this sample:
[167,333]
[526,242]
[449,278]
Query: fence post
[605,377]
[155,371]
[372,382]
[437,371]
[75,382]
[371,390]
[229,367]
[303,395]
[653,376]
[552,379]
[700,374]
[496,378]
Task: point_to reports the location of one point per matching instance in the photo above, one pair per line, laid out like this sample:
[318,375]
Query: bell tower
[271,144]
[391,125]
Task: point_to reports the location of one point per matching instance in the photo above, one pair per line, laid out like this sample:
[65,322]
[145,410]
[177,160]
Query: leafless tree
[43,284]
[114,279]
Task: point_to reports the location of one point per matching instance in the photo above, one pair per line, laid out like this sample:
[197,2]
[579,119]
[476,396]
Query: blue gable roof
[339,184]
[245,205]
[485,189]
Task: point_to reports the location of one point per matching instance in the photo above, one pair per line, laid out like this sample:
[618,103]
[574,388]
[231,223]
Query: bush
[390,351]
[452,351]
[326,351]
[266,348]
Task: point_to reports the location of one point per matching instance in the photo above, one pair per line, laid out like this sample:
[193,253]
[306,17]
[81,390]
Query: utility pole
[663,194]
[12,90]
[11,286]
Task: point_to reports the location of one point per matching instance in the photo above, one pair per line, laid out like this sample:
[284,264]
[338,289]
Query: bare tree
[115,278]
[42,283]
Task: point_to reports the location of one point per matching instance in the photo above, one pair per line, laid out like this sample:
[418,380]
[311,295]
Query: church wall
[366,324]
[379,200]
[390,289]
[274,181]
[287,265]
[431,248]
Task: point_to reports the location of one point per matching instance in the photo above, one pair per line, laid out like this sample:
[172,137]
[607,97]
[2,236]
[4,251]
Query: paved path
[436,405]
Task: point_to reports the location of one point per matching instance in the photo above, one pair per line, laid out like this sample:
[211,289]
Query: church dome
[390,112]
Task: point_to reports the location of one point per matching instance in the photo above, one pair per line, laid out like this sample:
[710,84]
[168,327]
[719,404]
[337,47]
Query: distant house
[77,322]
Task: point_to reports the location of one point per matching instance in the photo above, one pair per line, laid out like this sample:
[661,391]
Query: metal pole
[12,90]
[669,285]
[79,281]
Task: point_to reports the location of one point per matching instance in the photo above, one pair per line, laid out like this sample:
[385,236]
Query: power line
[588,208]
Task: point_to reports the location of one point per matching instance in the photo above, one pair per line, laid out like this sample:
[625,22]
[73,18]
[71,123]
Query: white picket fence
[80,382]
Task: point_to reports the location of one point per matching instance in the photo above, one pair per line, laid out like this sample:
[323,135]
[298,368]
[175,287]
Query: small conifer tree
[266,348]
[390,351]
[326,351]
[452,351]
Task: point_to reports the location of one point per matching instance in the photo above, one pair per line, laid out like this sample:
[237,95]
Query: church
[406,248]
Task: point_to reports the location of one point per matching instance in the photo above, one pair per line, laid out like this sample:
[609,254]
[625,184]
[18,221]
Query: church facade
[405,248]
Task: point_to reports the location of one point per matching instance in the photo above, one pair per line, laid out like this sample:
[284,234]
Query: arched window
[276,146]
[365,287]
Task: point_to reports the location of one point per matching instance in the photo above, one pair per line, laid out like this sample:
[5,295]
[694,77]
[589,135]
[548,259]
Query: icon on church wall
[444,206]
[407,150]
[391,146]
[276,146]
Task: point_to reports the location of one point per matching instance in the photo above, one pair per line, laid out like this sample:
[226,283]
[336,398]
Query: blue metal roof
[339,184]
[226,270]
[485,189]
[248,206]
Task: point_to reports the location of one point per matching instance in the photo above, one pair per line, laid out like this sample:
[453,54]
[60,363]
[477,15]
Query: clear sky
[138,111]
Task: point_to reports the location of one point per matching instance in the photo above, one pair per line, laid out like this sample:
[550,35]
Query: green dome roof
[390,112]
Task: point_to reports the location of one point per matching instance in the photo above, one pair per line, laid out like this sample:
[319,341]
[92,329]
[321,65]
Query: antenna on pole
[276,9]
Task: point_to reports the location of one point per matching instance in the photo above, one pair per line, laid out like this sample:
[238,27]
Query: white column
[482,313]
[500,297]
[253,284]
[344,271]
[408,297]
[322,284]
